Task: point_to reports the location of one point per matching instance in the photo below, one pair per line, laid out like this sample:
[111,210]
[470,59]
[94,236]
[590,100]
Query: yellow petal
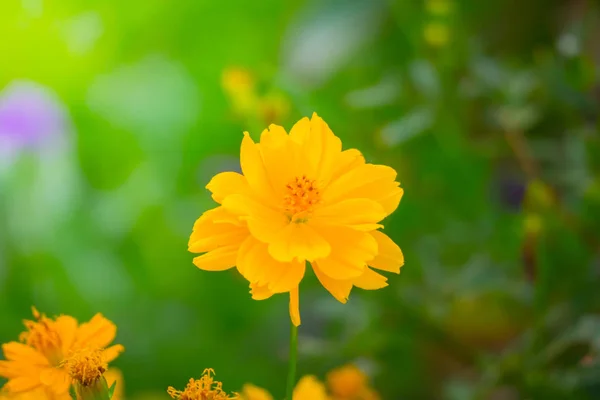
[114,376]
[263,222]
[260,292]
[15,351]
[251,392]
[370,280]
[226,183]
[113,352]
[256,265]
[351,250]
[283,159]
[56,378]
[369,181]
[389,257]
[310,388]
[21,384]
[98,332]
[300,242]
[346,161]
[209,235]
[66,327]
[254,169]
[219,259]
[361,214]
[340,289]
[295,307]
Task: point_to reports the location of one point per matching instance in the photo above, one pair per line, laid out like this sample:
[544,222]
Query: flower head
[29,113]
[205,388]
[307,388]
[40,361]
[349,383]
[86,366]
[300,199]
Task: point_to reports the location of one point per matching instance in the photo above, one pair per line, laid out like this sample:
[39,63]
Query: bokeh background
[115,114]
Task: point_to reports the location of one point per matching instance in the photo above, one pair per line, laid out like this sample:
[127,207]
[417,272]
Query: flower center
[42,336]
[86,366]
[301,196]
[205,388]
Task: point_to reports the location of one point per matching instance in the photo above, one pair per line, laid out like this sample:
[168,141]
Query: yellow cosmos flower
[300,199]
[307,388]
[205,388]
[350,383]
[36,366]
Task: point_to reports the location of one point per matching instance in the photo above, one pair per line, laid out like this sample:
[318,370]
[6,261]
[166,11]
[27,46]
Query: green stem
[291,380]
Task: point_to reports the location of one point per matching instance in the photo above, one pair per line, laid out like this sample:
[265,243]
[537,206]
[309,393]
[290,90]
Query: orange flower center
[301,196]
[86,366]
[204,388]
[42,336]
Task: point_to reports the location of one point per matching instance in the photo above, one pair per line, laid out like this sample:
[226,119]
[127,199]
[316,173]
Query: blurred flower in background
[31,117]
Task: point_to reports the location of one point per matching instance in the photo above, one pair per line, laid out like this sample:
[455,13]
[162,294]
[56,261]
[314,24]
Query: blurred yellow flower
[437,34]
[37,365]
[238,83]
[307,388]
[273,107]
[115,376]
[438,7]
[205,388]
[349,383]
[300,199]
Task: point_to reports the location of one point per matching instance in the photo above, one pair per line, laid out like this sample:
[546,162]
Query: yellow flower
[204,388]
[307,388]
[300,199]
[37,365]
[238,83]
[437,34]
[349,383]
[114,376]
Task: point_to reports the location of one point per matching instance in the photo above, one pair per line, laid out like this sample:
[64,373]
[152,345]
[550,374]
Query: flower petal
[209,235]
[370,280]
[66,327]
[21,384]
[351,250]
[309,387]
[346,161]
[389,257]
[98,332]
[339,288]
[15,351]
[263,222]
[295,307]
[363,214]
[299,241]
[368,181]
[251,392]
[256,265]
[219,259]
[226,183]
[113,352]
[57,378]
[260,292]
[254,169]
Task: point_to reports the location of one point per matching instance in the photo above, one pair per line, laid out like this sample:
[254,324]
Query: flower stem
[291,380]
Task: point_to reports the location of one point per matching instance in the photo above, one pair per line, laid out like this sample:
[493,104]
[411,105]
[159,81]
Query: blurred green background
[114,115]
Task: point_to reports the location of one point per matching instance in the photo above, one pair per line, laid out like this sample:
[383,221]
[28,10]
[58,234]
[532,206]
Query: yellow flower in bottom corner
[350,383]
[301,199]
[36,367]
[307,388]
[205,388]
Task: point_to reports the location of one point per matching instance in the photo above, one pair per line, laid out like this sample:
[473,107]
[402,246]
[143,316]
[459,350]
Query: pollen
[42,336]
[301,196]
[86,366]
[205,388]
